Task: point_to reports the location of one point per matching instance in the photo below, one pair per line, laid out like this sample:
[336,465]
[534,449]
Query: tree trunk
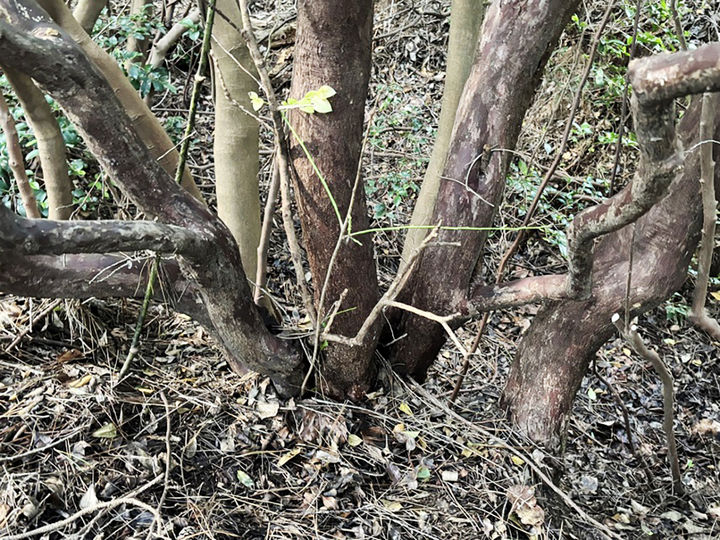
[555,353]
[51,145]
[235,146]
[86,12]
[466,18]
[333,47]
[517,38]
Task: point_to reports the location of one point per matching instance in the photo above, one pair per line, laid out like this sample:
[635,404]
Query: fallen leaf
[288,456]
[267,409]
[89,499]
[353,440]
[404,407]
[108,431]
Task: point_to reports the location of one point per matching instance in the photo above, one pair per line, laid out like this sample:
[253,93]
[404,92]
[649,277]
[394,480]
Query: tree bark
[466,17]
[517,38]
[51,145]
[333,47]
[16,160]
[235,146]
[555,353]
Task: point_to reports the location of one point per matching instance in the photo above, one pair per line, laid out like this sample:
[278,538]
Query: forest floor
[84,458]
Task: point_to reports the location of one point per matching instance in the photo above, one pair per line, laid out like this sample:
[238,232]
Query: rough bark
[50,142]
[235,146]
[466,18]
[32,43]
[145,123]
[333,47]
[517,38]
[555,353]
[86,12]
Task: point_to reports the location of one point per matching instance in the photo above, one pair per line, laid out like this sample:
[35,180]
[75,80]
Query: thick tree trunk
[333,47]
[235,145]
[517,38]
[555,353]
[466,17]
[51,145]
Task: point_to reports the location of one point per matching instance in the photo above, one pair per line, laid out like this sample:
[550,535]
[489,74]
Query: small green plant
[676,309]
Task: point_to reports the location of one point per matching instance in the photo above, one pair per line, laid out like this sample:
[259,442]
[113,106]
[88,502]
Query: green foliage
[113,34]
[676,309]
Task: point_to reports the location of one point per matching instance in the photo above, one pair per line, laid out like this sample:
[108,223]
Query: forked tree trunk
[139,9]
[333,47]
[517,39]
[555,353]
[235,145]
[208,255]
[466,17]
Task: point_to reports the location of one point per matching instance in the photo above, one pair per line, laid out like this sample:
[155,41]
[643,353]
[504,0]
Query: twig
[525,457]
[108,505]
[182,159]
[261,275]
[678,25]
[561,149]
[282,159]
[168,463]
[345,232]
[39,317]
[392,292]
[620,403]
[635,341]
[623,109]
[698,315]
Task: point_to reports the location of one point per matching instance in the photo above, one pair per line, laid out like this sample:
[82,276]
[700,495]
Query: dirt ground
[184,448]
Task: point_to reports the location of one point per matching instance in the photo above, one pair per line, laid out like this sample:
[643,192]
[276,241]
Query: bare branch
[635,341]
[698,315]
[47,237]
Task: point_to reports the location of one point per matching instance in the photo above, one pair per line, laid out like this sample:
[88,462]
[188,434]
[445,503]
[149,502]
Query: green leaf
[423,473]
[325,91]
[257,101]
[245,479]
[321,105]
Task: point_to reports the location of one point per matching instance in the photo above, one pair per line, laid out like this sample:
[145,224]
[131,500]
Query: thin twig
[107,505]
[698,315]
[264,243]
[623,109]
[541,189]
[516,451]
[678,25]
[282,159]
[638,345]
[182,159]
[345,232]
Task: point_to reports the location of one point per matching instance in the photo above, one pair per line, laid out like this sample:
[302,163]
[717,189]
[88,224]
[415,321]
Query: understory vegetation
[184,447]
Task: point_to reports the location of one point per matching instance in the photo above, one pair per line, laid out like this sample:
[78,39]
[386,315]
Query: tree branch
[47,237]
